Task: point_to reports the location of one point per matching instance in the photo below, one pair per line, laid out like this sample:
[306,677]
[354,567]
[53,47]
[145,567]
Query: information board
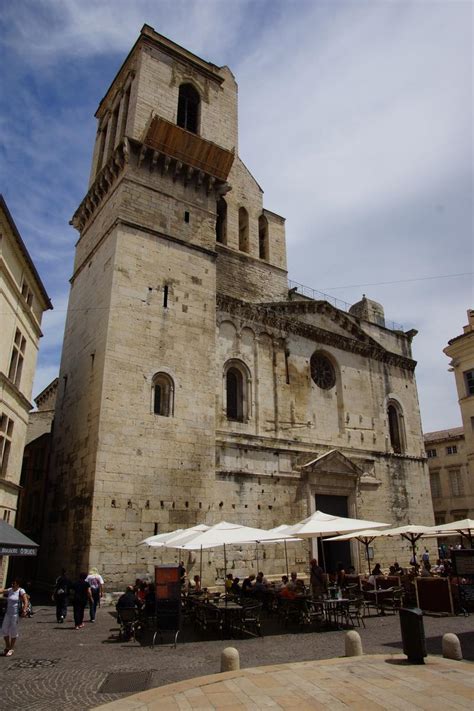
[463,562]
[434,595]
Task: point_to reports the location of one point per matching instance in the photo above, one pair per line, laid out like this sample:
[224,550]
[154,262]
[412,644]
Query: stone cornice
[275,317]
[17,394]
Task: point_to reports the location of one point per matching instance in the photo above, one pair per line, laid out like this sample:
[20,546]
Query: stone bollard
[353,644]
[452,647]
[230,660]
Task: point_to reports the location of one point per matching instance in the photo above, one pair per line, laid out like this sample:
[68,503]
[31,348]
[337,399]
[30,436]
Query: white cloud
[355,117]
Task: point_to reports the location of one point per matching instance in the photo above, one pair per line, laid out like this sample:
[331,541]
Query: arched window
[263,237]
[163,395]
[188,108]
[221,222]
[243,230]
[237,391]
[396,428]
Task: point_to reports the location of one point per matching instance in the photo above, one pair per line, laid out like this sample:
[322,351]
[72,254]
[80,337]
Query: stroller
[130,623]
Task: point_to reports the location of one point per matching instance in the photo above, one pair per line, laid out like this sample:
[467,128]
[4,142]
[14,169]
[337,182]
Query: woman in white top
[16,606]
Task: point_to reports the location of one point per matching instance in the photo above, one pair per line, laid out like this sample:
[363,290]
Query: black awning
[13,542]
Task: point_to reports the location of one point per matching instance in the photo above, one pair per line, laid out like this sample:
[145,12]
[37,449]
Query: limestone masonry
[194,386]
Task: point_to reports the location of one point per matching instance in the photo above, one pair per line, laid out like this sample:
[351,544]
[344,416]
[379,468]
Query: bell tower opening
[188,108]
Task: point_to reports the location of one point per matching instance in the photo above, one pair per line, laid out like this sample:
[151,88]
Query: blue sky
[355,117]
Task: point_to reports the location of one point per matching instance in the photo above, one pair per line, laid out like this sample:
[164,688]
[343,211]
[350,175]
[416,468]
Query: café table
[377,597]
[335,610]
[230,612]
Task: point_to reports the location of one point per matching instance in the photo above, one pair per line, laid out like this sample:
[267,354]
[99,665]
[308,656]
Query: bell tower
[134,425]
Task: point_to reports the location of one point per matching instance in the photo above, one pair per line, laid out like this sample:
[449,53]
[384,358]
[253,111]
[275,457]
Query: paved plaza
[55,665]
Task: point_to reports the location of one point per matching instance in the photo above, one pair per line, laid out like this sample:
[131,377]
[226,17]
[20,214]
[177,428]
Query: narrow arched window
[188,108]
[163,395]
[234,387]
[243,230]
[237,383]
[221,221]
[263,237]
[396,429]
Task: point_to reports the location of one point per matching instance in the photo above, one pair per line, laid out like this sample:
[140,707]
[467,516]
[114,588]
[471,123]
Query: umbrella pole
[286,559]
[225,575]
[322,551]
[256,554]
[200,568]
[367,545]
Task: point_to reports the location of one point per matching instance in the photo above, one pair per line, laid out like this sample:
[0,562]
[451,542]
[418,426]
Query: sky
[355,117]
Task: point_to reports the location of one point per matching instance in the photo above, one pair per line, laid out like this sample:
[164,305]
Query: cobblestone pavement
[55,665]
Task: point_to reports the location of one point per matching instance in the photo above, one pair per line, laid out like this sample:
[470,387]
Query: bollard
[353,644]
[230,660]
[452,647]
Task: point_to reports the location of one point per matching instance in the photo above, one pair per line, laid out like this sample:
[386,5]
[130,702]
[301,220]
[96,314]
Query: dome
[369,311]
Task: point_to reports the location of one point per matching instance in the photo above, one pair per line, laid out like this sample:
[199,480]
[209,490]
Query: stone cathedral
[194,385]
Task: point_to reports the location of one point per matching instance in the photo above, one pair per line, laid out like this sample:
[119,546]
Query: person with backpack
[96,583]
[60,595]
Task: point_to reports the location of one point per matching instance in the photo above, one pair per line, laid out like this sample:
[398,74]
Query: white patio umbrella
[464,527]
[320,525]
[176,539]
[410,532]
[365,537]
[224,533]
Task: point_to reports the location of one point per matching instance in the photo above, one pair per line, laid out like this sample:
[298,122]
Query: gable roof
[24,251]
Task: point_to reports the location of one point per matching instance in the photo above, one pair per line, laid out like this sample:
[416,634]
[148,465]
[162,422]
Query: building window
[455,479]
[237,389]
[221,221]
[469,380]
[6,516]
[188,108]
[440,519]
[452,450]
[26,293]
[163,395]
[435,485]
[263,237]
[322,371]
[6,434]
[17,358]
[396,428]
[243,230]
[430,453]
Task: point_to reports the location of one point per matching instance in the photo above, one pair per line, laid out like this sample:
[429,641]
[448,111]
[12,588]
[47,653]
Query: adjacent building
[194,385]
[23,300]
[451,452]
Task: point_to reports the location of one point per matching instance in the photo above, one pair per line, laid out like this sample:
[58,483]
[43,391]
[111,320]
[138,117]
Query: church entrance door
[335,551]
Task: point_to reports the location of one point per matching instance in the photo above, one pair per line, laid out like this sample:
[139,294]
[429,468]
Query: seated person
[235,587]
[377,570]
[425,571]
[260,584]
[288,590]
[340,575]
[291,584]
[397,568]
[228,582]
[247,585]
[128,601]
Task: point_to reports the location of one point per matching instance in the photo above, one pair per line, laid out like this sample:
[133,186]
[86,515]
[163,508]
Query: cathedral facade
[194,385]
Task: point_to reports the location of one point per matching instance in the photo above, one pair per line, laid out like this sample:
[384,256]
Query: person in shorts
[16,607]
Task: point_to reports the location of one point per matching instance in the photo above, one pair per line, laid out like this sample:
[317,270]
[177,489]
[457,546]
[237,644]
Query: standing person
[16,607]
[182,572]
[426,556]
[316,579]
[60,595]
[96,583]
[82,596]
